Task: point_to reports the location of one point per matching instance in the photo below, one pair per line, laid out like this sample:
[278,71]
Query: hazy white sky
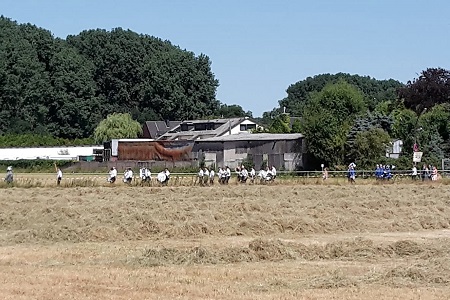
[259,48]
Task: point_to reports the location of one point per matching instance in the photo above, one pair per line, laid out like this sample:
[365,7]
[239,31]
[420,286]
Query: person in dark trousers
[425,173]
[58,176]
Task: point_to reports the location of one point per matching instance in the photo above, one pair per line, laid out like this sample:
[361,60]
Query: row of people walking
[145,175]
[428,172]
[207,175]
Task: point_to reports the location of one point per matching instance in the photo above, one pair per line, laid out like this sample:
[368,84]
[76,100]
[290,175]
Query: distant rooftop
[201,129]
[254,137]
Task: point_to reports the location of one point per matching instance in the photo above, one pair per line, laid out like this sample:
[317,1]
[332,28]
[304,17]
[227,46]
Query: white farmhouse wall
[233,159]
[210,159]
[53,153]
[237,129]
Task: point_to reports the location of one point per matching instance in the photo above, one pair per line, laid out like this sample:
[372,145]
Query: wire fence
[192,179]
[312,174]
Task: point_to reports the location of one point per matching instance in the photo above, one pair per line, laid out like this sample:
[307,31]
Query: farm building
[76,153]
[284,151]
[173,140]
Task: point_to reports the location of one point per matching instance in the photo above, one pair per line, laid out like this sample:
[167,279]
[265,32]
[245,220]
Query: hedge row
[33,140]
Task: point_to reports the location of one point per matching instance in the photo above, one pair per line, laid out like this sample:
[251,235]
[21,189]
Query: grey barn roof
[158,128]
[254,137]
[225,125]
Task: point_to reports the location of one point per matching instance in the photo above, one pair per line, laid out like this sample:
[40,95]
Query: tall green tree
[74,108]
[148,75]
[405,128]
[117,126]
[281,124]
[233,111]
[370,147]
[327,120]
[366,123]
[324,137]
[64,88]
[373,91]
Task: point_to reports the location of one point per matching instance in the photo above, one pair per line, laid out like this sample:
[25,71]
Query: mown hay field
[28,180]
[281,241]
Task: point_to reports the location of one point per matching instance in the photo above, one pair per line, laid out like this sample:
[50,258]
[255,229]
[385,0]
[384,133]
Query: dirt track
[235,242]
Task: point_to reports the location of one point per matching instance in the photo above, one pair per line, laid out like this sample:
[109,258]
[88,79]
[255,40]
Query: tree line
[64,87]
[54,90]
[349,118]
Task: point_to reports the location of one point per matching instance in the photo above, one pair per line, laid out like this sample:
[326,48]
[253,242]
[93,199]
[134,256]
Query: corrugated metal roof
[255,137]
[158,128]
[225,126]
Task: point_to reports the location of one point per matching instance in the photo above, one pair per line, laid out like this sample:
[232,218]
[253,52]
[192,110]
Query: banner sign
[417,156]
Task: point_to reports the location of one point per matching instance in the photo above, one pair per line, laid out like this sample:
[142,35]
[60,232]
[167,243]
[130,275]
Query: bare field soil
[226,242]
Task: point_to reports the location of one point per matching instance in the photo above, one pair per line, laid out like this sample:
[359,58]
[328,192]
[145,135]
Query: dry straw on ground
[284,241]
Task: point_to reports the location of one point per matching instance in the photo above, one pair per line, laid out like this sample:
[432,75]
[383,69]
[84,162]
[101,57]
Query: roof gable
[156,129]
[214,128]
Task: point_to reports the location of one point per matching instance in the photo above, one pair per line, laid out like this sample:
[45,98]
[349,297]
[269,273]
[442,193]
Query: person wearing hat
[9,175]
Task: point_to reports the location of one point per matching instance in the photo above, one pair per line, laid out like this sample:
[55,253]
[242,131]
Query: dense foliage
[327,118]
[33,140]
[348,118]
[431,88]
[117,126]
[64,88]
[374,91]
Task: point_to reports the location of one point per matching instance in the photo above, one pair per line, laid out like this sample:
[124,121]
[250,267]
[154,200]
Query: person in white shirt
[244,175]
[414,172]
[200,175]
[148,175]
[142,173]
[227,174]
[161,177]
[211,176]
[111,177]
[221,175]
[114,175]
[205,175]
[128,176]
[164,176]
[252,175]
[58,176]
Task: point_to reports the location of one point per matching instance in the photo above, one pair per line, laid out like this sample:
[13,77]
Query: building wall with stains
[283,154]
[155,150]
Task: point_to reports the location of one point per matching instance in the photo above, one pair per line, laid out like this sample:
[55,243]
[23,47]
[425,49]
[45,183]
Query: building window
[247,127]
[240,150]
[200,127]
